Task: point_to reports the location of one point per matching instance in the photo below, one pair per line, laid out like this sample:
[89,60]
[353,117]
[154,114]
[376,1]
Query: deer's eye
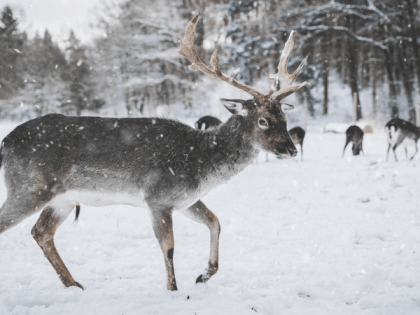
[262,123]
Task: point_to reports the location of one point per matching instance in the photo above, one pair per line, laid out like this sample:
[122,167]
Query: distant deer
[355,135]
[297,134]
[401,132]
[207,121]
[53,163]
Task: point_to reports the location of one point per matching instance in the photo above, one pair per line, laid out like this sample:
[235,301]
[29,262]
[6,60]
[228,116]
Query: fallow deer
[53,163]
[208,122]
[355,135]
[401,132]
[297,134]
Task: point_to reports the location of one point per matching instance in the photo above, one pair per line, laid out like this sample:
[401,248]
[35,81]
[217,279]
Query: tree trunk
[392,101]
[353,67]
[373,77]
[412,5]
[124,78]
[325,73]
[406,79]
[344,59]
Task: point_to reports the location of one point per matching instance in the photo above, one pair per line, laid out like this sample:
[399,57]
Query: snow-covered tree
[140,65]
[11,42]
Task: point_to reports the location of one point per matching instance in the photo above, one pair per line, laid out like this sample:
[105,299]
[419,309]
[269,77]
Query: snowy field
[323,236]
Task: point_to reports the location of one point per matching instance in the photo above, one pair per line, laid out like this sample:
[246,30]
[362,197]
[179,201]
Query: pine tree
[43,63]
[79,74]
[11,42]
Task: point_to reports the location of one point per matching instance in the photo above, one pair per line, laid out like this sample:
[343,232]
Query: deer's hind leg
[201,214]
[395,154]
[417,149]
[11,214]
[17,208]
[43,232]
[301,151]
[387,152]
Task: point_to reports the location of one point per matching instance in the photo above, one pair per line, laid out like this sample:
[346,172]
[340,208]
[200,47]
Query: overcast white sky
[56,15]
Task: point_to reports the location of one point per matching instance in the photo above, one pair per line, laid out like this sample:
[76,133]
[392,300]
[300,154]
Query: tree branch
[324,28]
[380,13]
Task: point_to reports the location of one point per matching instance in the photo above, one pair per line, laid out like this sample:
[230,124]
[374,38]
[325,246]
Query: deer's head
[268,125]
[265,113]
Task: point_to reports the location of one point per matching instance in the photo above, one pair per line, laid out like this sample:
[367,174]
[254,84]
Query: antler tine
[189,52]
[214,63]
[187,44]
[285,78]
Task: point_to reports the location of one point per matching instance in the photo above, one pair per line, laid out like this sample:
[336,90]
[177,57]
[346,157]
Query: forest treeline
[133,64]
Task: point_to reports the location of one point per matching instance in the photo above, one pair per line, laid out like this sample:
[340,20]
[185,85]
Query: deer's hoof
[76,284]
[203,278]
[209,272]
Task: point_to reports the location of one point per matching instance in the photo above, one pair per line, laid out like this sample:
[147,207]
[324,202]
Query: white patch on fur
[62,206]
[287,108]
[100,199]
[392,135]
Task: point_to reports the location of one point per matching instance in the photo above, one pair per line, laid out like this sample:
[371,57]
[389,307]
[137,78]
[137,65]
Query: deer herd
[54,163]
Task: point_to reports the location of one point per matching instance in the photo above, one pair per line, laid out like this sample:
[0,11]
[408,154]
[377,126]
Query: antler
[189,52]
[285,78]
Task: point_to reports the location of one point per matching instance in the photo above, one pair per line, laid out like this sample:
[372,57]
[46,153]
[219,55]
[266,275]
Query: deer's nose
[292,151]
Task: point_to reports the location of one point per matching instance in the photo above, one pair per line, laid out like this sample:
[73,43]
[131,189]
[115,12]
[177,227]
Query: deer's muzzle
[287,152]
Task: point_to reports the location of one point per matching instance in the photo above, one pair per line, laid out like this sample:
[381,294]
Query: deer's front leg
[201,214]
[162,226]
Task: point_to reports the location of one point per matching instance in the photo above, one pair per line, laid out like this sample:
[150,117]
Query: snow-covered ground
[323,236]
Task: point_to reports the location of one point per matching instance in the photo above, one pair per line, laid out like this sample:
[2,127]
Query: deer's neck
[228,148]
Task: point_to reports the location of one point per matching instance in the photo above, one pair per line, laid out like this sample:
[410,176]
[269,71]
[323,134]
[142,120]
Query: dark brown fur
[355,135]
[208,122]
[297,134]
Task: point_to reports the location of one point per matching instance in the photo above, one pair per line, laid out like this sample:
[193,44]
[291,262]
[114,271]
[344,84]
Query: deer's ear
[286,108]
[236,107]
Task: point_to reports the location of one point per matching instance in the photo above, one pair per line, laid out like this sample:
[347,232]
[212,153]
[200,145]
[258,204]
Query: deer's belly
[408,142]
[104,198]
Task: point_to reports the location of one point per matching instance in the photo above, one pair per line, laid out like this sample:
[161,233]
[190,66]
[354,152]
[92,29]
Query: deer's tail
[77,213]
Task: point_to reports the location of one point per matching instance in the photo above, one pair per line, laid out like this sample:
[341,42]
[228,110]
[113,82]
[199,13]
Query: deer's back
[404,127]
[297,134]
[210,120]
[354,133]
[104,142]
